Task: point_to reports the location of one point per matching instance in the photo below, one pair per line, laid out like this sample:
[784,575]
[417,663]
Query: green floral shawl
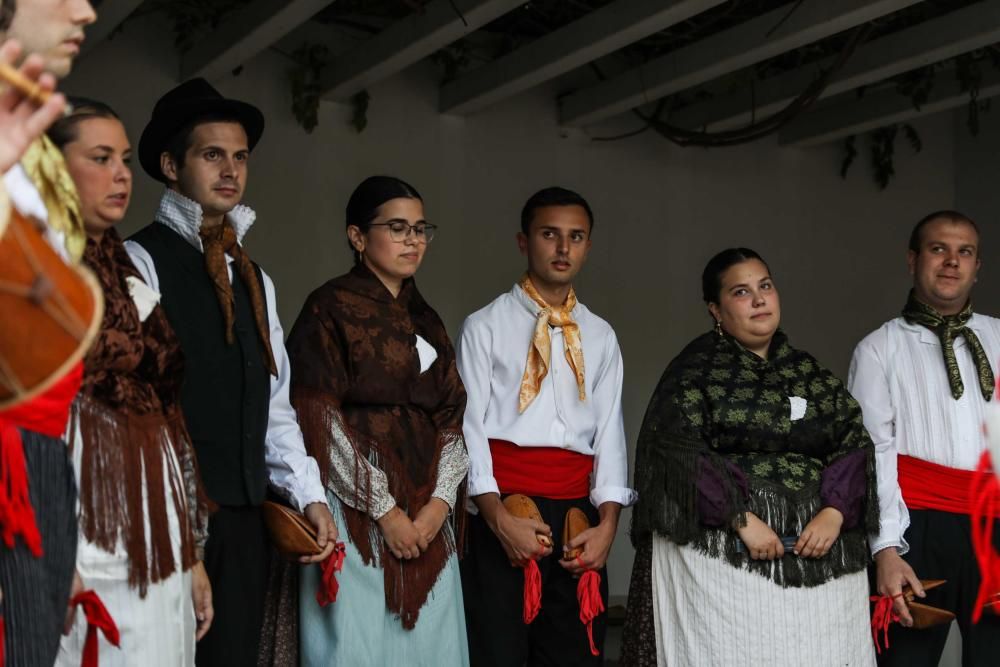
[719,403]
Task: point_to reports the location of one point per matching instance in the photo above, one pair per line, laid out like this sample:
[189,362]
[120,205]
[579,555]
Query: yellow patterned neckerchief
[46,168]
[540,352]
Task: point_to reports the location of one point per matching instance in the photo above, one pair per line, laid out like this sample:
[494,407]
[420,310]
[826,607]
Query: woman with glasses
[380,402]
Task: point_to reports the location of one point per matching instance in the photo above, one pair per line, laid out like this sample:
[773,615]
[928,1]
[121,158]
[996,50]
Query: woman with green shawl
[756,479]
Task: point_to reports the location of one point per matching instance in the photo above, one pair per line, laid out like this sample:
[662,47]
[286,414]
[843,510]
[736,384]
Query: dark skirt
[36,590]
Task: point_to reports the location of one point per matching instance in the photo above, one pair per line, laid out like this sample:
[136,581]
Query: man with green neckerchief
[923,381]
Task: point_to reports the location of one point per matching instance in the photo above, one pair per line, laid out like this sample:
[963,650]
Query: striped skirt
[36,590]
[707,612]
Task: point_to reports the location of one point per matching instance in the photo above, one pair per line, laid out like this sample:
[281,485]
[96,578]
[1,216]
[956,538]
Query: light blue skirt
[358,630]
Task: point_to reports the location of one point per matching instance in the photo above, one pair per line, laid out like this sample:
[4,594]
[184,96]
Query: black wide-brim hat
[188,102]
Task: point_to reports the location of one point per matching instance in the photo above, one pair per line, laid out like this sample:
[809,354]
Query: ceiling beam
[733,49]
[246,33]
[594,35]
[932,41]
[407,41]
[841,117]
[111,15]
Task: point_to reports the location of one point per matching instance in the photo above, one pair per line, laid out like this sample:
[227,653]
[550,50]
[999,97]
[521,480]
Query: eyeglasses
[400,231]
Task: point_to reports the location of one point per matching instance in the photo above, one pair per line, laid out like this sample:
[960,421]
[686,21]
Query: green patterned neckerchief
[948,328]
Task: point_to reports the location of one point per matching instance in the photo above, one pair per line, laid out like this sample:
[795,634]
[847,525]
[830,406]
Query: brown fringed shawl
[356,384]
[129,418]
[723,413]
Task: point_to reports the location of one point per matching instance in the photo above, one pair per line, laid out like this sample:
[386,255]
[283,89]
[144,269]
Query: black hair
[179,143]
[916,236]
[711,277]
[553,196]
[64,130]
[366,199]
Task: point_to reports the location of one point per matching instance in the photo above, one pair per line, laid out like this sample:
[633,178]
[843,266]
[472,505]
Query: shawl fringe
[672,511]
[407,582]
[119,449]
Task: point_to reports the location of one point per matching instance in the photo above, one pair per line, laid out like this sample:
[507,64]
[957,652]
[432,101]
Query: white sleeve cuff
[484,484]
[622,495]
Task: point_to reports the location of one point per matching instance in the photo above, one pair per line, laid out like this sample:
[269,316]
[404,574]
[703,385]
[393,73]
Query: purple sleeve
[714,507]
[843,486]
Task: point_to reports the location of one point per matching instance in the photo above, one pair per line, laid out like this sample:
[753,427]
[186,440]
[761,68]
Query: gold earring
[718,327]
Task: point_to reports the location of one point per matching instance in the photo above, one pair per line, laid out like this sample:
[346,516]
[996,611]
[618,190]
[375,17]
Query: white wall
[837,248]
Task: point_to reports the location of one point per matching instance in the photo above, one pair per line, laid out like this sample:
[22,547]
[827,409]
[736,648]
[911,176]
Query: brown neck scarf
[540,352]
[217,242]
[129,420]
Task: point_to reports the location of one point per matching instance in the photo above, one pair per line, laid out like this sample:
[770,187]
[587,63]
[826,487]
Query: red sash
[930,486]
[548,472]
[46,414]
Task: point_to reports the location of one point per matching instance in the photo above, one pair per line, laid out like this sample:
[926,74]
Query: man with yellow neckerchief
[543,376]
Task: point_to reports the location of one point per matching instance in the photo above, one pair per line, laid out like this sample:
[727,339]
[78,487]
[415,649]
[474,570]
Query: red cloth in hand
[98,618]
[328,585]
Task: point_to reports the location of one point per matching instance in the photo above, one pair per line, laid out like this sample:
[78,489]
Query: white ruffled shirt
[898,376]
[290,469]
[492,349]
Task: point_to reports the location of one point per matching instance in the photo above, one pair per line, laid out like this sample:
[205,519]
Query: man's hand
[518,537]
[762,543]
[318,514]
[401,536]
[74,590]
[201,597]
[430,518]
[893,574]
[820,534]
[596,542]
[22,120]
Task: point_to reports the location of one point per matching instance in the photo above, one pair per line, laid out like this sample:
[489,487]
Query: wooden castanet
[524,507]
[575,523]
[50,312]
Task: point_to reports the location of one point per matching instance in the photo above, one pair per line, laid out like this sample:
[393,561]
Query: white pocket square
[144,296]
[798,407]
[427,353]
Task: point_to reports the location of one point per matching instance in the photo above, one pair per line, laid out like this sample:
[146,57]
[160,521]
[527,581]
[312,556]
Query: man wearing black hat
[235,393]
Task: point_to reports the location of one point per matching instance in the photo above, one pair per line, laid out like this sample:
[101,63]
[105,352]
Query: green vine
[882,151]
[305,81]
[194,19]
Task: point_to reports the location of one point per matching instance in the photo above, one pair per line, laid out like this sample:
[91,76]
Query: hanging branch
[754,131]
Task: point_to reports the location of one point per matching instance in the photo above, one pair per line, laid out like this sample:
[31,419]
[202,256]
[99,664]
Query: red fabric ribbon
[98,618]
[528,470]
[328,585]
[984,505]
[882,617]
[931,486]
[46,414]
[588,594]
[532,591]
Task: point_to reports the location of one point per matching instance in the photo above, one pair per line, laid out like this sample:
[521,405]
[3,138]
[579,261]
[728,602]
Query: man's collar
[184,216]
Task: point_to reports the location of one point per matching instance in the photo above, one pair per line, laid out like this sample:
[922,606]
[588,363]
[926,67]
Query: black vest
[227,388]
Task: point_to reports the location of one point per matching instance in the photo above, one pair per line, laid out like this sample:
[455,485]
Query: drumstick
[30,89]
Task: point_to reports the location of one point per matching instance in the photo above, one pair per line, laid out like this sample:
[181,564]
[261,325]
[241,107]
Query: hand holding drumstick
[27,103]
